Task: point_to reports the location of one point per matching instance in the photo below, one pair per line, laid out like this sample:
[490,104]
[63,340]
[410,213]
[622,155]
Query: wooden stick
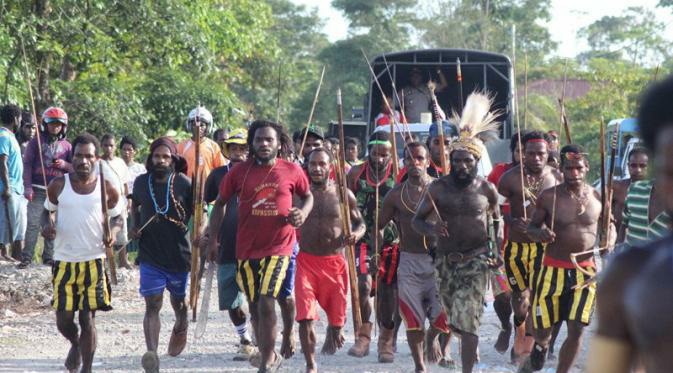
[562,116]
[525,91]
[459,77]
[146,224]
[310,115]
[607,211]
[107,236]
[37,133]
[396,162]
[197,214]
[604,194]
[346,220]
[440,130]
[405,125]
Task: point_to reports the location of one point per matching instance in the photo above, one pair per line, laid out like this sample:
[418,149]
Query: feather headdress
[476,122]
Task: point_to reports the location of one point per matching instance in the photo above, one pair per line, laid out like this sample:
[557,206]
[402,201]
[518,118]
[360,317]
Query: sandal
[178,341]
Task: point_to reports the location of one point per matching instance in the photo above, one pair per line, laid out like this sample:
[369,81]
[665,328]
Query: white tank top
[79,225]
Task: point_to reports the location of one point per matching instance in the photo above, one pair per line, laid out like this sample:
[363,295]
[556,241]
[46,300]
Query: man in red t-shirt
[264,186]
[501,291]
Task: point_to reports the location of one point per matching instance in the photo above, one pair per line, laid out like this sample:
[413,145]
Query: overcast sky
[568,16]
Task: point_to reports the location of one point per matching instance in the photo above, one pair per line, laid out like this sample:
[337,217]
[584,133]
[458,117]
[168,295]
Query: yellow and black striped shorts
[263,276]
[80,286]
[555,299]
[522,261]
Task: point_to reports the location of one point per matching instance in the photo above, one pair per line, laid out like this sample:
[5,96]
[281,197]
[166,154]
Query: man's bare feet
[334,340]
[74,359]
[312,369]
[433,351]
[287,348]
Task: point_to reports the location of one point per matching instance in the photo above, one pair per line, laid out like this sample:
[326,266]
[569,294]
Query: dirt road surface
[30,342]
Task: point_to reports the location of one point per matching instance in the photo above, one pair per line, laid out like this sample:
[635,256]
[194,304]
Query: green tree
[635,36]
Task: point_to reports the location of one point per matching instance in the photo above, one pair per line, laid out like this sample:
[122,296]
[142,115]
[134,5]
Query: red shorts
[321,280]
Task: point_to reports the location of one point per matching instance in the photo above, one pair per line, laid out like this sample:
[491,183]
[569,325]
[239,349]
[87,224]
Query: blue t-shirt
[10,147]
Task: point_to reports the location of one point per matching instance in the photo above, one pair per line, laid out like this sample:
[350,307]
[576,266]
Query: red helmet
[55,114]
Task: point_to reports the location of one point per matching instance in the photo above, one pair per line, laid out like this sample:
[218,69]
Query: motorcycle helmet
[54,114]
[204,117]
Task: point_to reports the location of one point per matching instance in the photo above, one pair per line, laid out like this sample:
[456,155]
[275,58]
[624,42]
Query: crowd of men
[428,245]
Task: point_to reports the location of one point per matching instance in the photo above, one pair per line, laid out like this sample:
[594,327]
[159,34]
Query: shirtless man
[418,296]
[364,180]
[566,219]
[638,165]
[523,256]
[464,201]
[322,272]
[634,298]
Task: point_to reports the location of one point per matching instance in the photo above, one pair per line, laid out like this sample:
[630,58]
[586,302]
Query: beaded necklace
[381,181]
[164,211]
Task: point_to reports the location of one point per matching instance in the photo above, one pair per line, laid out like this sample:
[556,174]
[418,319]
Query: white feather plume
[477,118]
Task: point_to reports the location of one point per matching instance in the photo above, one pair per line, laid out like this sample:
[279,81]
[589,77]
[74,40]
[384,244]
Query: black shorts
[263,276]
[80,286]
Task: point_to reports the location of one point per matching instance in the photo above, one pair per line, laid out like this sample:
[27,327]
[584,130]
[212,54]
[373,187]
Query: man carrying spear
[79,277]
[522,185]
[162,207]
[322,272]
[265,185]
[370,182]
[565,219]
[418,296]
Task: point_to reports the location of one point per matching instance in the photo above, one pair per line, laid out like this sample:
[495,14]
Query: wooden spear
[440,130]
[396,162]
[346,220]
[107,236]
[310,115]
[197,214]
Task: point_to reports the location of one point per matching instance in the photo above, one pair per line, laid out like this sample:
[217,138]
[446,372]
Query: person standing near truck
[417,97]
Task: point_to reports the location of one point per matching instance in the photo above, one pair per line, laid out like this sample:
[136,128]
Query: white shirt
[117,173]
[135,170]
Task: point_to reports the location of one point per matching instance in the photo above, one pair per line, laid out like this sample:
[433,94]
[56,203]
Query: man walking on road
[79,277]
[322,272]
[267,221]
[417,289]
[368,181]
[162,204]
[562,293]
[235,148]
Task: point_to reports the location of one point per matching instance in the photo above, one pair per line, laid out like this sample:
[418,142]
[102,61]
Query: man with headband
[566,220]
[465,203]
[370,182]
[523,256]
[162,207]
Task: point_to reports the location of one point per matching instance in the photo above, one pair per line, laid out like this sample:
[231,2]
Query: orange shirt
[211,156]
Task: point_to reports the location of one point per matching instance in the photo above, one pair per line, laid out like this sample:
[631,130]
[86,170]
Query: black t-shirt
[163,243]
[227,237]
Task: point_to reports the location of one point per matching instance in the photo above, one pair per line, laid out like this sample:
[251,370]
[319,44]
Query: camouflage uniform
[462,287]
[365,194]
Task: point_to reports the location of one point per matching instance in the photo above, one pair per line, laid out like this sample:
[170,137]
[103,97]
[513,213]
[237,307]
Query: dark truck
[481,71]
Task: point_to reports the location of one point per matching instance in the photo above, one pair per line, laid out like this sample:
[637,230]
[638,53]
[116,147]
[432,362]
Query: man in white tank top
[80,282]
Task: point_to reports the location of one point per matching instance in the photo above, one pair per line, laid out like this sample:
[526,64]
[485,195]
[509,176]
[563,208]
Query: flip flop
[178,341]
